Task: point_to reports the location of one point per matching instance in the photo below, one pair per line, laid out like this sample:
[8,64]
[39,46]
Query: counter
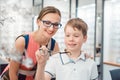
[112,63]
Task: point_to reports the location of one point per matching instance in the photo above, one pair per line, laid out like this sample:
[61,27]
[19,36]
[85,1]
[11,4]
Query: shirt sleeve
[50,67]
[94,71]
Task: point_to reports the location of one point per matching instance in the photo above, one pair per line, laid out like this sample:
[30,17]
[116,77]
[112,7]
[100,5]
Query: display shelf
[89,18]
[112,29]
[14,20]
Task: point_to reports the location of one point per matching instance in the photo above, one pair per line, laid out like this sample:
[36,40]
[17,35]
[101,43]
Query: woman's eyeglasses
[49,24]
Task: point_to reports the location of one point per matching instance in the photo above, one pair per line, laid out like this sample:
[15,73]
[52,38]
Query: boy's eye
[67,35]
[76,36]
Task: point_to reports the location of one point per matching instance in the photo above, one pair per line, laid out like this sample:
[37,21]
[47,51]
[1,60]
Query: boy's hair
[79,24]
[48,9]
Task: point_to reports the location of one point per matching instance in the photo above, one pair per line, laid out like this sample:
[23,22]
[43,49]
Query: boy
[71,64]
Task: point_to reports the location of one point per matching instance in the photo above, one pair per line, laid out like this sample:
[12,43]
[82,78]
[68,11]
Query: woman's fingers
[42,55]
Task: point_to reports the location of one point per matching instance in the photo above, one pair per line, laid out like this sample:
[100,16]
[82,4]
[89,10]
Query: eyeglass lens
[49,24]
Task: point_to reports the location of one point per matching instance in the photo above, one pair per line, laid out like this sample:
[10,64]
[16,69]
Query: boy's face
[74,38]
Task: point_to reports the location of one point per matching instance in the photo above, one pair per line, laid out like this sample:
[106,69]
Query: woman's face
[48,24]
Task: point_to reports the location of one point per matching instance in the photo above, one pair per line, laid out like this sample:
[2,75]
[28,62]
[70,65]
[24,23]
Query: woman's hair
[77,23]
[48,9]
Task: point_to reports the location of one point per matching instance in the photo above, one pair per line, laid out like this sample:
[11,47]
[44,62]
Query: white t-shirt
[64,68]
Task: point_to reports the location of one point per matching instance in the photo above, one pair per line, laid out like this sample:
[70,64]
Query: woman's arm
[13,70]
[14,65]
[41,62]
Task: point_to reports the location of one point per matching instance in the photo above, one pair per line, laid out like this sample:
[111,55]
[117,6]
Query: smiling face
[74,38]
[75,34]
[47,20]
[45,30]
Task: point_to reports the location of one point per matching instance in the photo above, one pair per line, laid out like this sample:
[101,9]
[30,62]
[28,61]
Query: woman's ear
[38,22]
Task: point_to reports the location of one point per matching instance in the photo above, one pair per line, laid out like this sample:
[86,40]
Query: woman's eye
[56,24]
[48,22]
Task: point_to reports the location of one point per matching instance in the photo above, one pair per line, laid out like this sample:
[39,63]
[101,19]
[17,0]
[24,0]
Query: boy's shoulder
[56,55]
[59,56]
[91,62]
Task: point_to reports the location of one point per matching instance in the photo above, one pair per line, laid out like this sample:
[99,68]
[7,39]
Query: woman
[48,23]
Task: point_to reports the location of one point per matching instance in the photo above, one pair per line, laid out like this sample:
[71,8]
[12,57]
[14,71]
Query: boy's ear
[85,38]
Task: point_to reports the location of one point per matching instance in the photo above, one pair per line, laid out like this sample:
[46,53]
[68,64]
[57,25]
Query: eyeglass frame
[51,24]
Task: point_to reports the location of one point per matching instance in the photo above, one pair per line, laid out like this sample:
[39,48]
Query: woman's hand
[42,56]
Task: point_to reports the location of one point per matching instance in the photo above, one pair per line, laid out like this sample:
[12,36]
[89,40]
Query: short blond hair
[79,24]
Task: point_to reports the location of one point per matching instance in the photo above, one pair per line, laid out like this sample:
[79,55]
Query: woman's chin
[49,35]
